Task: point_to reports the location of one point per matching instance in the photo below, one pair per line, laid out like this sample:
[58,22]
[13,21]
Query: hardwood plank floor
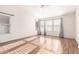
[40,45]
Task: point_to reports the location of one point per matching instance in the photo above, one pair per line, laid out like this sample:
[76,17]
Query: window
[4,24]
[50,27]
[48,24]
[57,25]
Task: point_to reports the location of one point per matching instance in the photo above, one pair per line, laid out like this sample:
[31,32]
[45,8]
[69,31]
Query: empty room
[39,29]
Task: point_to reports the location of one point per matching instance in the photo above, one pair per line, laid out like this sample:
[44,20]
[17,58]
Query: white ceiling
[49,10]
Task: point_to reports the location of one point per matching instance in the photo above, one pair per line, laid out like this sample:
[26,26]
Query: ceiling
[49,10]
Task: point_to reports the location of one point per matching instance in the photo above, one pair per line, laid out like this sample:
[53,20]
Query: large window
[4,24]
[50,27]
[56,25]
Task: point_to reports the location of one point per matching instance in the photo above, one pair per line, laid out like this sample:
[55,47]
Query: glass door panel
[49,27]
[42,27]
[56,26]
[57,22]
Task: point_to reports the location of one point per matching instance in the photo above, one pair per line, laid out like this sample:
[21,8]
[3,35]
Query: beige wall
[21,24]
[69,25]
[77,25]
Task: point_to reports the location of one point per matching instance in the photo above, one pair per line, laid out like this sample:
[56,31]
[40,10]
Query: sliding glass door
[50,27]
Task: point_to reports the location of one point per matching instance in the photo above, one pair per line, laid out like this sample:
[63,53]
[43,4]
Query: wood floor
[40,45]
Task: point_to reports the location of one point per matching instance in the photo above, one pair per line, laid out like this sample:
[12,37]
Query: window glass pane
[48,25]
[57,22]
[48,28]
[42,23]
[42,28]
[4,24]
[48,22]
[56,28]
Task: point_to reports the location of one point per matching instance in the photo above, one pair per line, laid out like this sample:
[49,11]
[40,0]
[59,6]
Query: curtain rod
[7,13]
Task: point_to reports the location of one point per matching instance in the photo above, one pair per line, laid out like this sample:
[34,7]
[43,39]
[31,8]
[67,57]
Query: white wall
[21,24]
[69,25]
[77,25]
